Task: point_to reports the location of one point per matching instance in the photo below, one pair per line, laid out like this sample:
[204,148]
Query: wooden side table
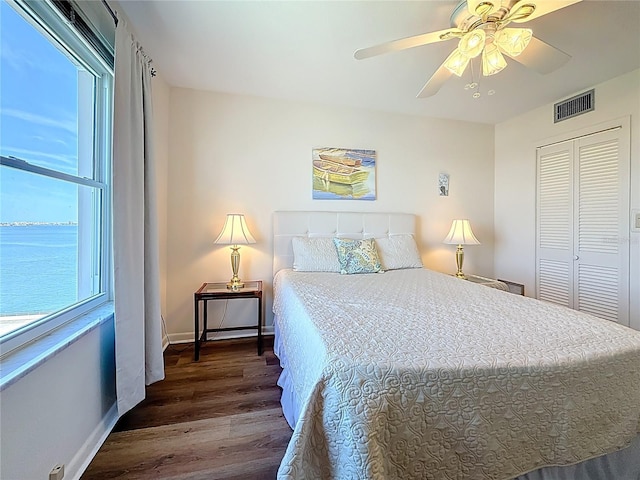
[219,291]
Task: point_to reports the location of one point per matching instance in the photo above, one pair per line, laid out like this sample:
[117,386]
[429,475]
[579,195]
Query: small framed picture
[443,184]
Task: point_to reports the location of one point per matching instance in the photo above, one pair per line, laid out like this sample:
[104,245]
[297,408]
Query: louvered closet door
[582,223]
[601,223]
[554,275]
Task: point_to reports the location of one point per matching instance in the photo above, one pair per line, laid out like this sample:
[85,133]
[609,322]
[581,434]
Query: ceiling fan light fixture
[456,62]
[492,60]
[480,28]
[481,7]
[513,41]
[472,43]
[521,12]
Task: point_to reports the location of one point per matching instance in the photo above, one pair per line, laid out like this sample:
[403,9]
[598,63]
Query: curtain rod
[115,20]
[111,12]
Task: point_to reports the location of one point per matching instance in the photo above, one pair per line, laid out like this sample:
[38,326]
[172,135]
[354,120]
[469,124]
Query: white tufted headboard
[287,225]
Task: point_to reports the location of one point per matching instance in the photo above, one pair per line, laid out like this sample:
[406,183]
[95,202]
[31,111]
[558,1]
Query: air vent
[574,106]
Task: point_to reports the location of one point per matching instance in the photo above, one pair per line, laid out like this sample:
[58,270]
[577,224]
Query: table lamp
[235,233]
[461,234]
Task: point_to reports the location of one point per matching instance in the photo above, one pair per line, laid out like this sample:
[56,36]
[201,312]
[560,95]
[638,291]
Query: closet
[582,234]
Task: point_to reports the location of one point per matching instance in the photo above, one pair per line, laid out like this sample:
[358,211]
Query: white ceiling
[303,50]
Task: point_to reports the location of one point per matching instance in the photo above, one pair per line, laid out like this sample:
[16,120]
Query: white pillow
[398,251]
[314,254]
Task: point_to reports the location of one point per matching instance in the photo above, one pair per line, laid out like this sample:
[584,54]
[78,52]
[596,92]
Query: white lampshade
[456,62]
[492,60]
[235,231]
[513,41]
[472,43]
[461,234]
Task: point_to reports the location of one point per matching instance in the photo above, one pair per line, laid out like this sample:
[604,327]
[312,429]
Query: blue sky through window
[38,122]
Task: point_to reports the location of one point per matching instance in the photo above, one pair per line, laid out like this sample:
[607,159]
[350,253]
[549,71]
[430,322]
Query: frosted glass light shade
[456,62]
[461,234]
[472,43]
[492,60]
[513,41]
[235,231]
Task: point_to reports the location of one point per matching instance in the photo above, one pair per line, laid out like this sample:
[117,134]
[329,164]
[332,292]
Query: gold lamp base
[235,283]
[459,261]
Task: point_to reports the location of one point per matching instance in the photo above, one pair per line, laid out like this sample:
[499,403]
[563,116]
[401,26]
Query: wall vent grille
[574,106]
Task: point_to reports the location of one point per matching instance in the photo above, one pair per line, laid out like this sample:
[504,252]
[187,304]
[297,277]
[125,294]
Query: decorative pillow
[398,251]
[314,254]
[357,256]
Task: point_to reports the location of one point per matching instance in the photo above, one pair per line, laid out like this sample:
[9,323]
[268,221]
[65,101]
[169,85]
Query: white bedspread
[415,374]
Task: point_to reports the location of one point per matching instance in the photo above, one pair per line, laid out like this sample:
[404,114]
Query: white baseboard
[82,459]
[188,337]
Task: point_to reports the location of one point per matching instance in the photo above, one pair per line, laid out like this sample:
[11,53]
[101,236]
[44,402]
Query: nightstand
[514,287]
[219,291]
[488,282]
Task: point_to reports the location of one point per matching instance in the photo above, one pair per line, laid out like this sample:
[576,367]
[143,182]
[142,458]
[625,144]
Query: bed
[414,374]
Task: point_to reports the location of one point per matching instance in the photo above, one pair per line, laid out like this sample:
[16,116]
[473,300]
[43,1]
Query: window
[55,117]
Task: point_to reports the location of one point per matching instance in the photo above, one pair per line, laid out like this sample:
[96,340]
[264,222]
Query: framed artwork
[443,184]
[344,174]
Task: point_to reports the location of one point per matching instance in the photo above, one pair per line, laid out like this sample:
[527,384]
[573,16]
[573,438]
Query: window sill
[16,364]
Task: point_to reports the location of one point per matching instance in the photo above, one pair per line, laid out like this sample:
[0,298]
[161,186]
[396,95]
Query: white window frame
[49,20]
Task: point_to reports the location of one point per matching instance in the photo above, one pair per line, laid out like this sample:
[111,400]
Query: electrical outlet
[56,473]
[635,220]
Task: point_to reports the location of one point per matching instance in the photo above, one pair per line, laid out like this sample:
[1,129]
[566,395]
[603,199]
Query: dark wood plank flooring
[218,418]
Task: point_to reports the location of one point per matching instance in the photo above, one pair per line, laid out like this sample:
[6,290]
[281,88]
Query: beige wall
[515,176]
[231,153]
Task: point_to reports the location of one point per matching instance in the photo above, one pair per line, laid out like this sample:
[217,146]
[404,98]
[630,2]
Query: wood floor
[218,418]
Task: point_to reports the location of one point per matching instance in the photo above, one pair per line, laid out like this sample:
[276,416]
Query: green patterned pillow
[357,256]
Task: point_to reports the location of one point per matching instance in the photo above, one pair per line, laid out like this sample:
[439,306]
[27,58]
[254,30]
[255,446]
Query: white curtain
[138,321]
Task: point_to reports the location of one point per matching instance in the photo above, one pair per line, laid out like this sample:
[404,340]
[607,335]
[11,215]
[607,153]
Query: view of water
[38,268]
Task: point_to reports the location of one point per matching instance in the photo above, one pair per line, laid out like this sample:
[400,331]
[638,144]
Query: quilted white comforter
[413,374]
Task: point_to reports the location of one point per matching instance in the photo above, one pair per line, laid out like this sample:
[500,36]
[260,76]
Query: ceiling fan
[481,27]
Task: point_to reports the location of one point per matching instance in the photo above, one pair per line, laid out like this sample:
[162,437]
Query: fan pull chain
[475,84]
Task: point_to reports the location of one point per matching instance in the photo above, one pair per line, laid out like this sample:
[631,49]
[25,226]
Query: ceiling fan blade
[409,42]
[542,8]
[435,82]
[542,57]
